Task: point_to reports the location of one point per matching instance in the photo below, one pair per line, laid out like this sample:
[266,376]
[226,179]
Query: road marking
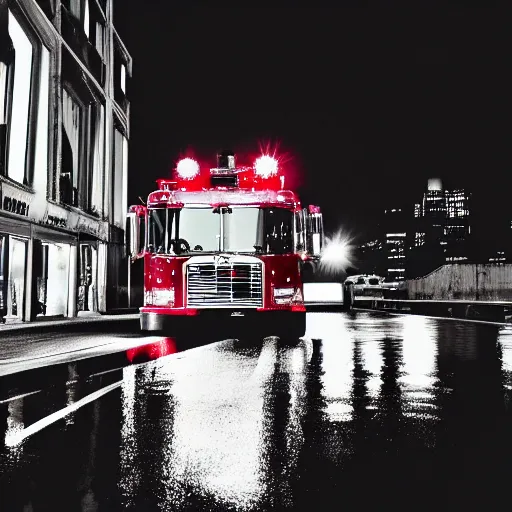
[18,397]
[99,374]
[18,437]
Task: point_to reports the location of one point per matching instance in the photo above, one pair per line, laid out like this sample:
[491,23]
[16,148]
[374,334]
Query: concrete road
[368,411]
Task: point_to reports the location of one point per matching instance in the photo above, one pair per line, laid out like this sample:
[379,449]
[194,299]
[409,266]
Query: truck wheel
[293,329]
[348,297]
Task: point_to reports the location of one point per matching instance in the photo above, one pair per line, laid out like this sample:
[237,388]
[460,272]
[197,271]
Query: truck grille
[235,284]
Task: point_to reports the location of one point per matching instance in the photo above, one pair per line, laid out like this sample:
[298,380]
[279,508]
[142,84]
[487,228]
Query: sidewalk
[62,323]
[30,345]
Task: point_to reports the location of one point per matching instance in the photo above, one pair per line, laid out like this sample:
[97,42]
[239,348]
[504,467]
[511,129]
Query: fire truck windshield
[234,229]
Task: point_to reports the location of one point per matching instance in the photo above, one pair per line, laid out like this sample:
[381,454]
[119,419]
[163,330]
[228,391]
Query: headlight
[283,292]
[163,297]
[287,296]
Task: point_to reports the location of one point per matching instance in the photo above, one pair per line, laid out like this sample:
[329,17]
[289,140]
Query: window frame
[33,107]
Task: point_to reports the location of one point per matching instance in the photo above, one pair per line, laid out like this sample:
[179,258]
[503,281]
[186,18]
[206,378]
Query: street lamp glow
[336,254]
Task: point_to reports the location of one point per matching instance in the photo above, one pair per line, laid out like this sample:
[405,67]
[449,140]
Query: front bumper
[225,321]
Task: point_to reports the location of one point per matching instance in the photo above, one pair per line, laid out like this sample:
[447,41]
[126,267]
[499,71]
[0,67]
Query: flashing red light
[314,209]
[187,168]
[265,166]
[152,351]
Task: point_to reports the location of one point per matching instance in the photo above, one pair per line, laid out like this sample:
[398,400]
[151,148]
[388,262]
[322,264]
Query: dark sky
[366,103]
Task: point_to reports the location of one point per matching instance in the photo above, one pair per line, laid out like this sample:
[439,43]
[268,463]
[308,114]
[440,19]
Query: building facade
[396,223]
[457,228]
[64,130]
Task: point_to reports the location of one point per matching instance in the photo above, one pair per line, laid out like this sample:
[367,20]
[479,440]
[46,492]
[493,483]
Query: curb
[70,324]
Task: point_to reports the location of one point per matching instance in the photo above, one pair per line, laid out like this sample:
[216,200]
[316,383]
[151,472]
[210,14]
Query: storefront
[15,235]
[37,271]
[50,277]
[88,276]
[13,273]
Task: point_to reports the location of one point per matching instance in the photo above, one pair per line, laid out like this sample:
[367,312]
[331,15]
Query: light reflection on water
[418,372]
[338,363]
[505,341]
[401,403]
[210,436]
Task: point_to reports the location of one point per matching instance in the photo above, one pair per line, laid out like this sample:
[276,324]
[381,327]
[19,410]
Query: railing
[487,311]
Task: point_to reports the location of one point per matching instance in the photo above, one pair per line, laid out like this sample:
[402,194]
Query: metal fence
[488,282]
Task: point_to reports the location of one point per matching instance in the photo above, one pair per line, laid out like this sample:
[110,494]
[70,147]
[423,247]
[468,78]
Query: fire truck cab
[224,247]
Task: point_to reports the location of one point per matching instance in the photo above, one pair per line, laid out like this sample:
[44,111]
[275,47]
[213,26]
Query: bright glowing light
[336,254]
[187,168]
[265,166]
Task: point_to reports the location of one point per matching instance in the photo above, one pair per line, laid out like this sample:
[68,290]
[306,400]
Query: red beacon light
[266,166]
[187,169]
[266,173]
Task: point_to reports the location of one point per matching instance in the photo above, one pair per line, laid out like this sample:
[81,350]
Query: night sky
[370,99]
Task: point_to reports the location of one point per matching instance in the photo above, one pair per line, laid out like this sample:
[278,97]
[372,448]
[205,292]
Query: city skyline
[445,225]
[346,99]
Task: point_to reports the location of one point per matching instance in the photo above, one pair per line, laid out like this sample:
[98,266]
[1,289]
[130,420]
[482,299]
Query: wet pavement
[369,411]
[32,347]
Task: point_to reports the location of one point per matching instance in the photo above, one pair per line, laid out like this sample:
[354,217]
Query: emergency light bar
[263,174]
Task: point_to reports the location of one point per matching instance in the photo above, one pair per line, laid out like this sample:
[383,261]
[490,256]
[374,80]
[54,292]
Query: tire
[307,272]
[348,297]
[295,328]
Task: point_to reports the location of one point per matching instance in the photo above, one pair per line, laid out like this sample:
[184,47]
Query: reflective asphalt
[370,411]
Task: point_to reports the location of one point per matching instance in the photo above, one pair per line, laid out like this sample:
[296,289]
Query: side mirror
[134,241]
[316,230]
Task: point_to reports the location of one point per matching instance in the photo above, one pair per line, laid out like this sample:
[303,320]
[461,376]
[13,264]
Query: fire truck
[226,246]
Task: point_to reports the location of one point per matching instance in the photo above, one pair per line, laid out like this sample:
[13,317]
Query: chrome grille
[232,284]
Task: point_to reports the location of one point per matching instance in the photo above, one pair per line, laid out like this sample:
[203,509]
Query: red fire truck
[226,246]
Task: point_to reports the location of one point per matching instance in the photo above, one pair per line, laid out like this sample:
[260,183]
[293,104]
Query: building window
[16,278]
[19,122]
[4,279]
[100,39]
[20,73]
[120,182]
[86,18]
[50,272]
[121,72]
[72,150]
[6,82]
[123,78]
[98,158]
[40,169]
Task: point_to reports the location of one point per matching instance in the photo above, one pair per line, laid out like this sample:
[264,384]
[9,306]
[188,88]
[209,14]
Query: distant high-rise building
[434,204]
[437,230]
[442,226]
[457,227]
[370,258]
[397,222]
